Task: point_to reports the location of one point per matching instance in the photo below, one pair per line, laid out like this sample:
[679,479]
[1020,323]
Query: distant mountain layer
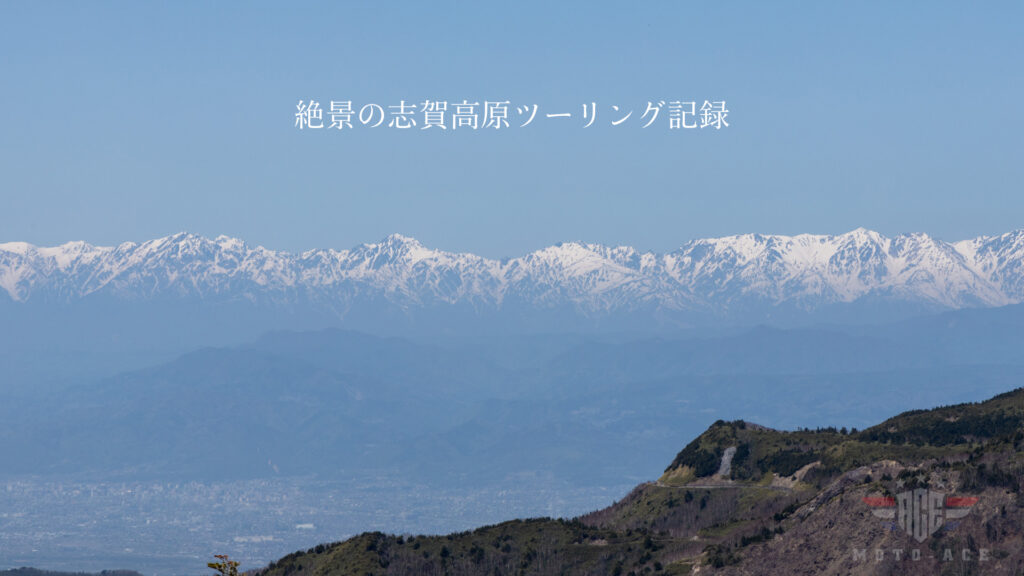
[37,572]
[585,411]
[712,276]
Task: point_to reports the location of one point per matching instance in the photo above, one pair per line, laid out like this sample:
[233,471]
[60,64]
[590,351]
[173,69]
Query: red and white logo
[921,512]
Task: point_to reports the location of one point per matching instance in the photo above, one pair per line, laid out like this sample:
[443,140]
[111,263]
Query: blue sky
[127,121]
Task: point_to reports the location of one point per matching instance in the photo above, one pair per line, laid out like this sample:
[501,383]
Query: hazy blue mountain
[333,402]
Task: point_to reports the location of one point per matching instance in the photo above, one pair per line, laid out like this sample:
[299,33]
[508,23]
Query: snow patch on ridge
[805,270]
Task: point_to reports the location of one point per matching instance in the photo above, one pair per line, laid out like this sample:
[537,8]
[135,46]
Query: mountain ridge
[716,275]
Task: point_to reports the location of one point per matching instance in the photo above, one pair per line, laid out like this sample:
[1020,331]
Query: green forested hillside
[738,497]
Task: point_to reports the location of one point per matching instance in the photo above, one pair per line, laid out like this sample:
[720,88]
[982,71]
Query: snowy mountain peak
[229,243]
[399,239]
[16,247]
[713,275]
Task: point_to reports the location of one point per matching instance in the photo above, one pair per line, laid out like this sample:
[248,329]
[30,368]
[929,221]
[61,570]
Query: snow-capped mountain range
[710,275]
